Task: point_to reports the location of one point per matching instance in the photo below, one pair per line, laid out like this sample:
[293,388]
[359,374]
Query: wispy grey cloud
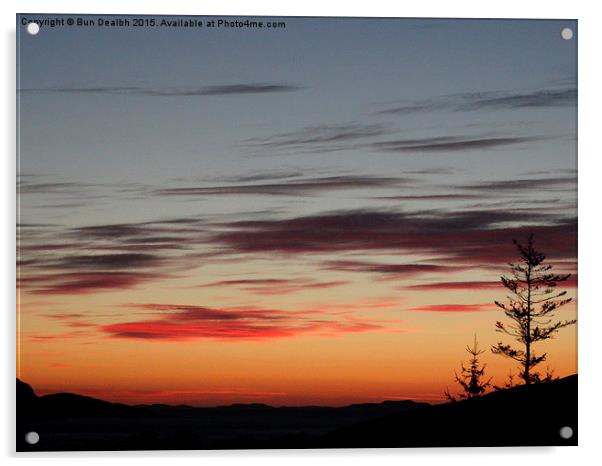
[431,171]
[224,89]
[256,88]
[433,197]
[488,101]
[48,191]
[276,286]
[448,143]
[290,188]
[537,99]
[263,176]
[332,138]
[320,138]
[506,193]
[562,171]
[522,184]
[52,188]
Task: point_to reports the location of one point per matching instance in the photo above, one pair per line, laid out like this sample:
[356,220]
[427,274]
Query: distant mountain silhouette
[67,421]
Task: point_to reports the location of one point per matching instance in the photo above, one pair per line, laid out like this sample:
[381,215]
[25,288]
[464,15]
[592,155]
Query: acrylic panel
[295,232]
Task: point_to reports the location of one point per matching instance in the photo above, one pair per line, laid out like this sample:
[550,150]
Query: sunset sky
[312,215]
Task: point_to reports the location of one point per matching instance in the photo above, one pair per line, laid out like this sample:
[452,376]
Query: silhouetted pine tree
[470,378]
[530,307]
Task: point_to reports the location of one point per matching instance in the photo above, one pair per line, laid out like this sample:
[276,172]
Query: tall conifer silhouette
[530,307]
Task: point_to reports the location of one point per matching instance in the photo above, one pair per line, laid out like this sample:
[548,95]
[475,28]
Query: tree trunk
[527,376]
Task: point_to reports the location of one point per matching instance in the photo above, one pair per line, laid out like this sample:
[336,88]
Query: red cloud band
[177,323]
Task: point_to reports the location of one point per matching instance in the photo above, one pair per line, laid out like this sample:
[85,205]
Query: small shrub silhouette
[470,378]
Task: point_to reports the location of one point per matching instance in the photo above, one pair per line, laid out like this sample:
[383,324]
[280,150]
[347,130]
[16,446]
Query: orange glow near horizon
[365,341]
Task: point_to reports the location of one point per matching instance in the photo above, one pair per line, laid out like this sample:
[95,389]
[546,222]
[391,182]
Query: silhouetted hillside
[519,416]
[66,421]
[70,405]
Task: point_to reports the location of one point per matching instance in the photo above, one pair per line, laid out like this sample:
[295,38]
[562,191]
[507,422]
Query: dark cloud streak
[479,236]
[320,138]
[522,184]
[219,90]
[448,144]
[276,286]
[546,98]
[396,270]
[291,188]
